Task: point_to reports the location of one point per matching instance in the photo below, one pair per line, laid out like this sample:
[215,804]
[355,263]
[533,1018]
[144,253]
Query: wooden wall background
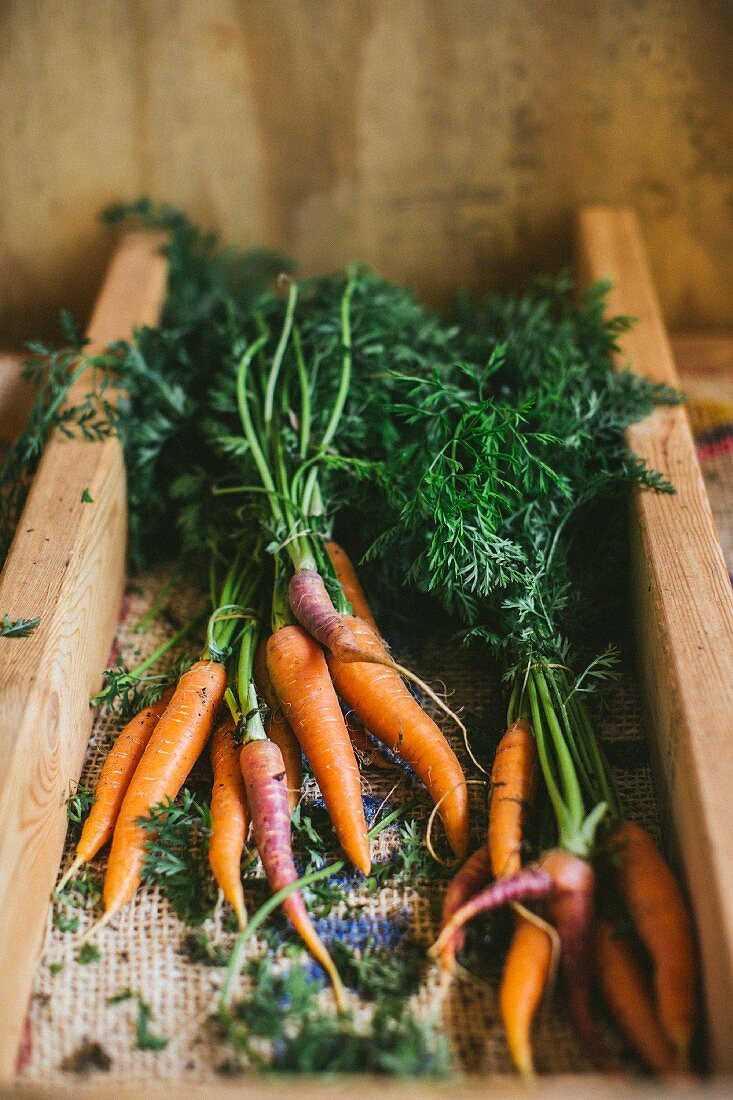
[445,141]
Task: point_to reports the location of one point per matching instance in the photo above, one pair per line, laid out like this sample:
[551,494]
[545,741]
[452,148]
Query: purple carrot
[474,874]
[263,769]
[311,604]
[529,884]
[571,912]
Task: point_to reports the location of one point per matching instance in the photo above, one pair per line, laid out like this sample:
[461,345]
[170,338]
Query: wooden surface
[447,142]
[568,1087]
[683,604]
[703,352]
[15,396]
[66,565]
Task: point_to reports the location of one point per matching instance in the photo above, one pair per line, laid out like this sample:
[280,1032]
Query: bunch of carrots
[466,467]
[311,676]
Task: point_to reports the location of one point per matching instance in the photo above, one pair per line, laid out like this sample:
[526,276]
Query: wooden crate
[66,565]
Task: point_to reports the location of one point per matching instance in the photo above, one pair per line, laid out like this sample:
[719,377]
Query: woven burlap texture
[140,950]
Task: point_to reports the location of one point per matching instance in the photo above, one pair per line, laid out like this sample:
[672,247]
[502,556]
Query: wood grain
[683,603]
[447,142]
[66,565]
[703,352]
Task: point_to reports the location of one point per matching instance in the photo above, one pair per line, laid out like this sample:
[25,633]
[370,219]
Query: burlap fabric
[141,949]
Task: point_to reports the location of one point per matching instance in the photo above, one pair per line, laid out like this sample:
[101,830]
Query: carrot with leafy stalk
[263,770]
[350,584]
[114,779]
[381,701]
[229,818]
[277,728]
[300,680]
[177,741]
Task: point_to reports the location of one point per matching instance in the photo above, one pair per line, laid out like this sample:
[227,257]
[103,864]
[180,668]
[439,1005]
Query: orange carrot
[474,874]
[171,752]
[657,908]
[624,989]
[263,770]
[349,581]
[528,961]
[513,780]
[523,983]
[277,728]
[114,779]
[229,818]
[300,679]
[380,699]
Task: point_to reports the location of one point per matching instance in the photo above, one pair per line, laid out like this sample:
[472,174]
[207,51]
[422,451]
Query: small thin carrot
[523,983]
[349,581]
[171,752]
[278,728]
[263,769]
[660,916]
[229,818]
[624,989]
[473,875]
[301,682]
[380,699]
[114,779]
[368,755]
[513,781]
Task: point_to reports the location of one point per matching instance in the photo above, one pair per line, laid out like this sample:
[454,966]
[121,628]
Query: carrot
[571,912]
[474,874]
[300,679]
[528,961]
[311,604]
[171,752]
[229,818]
[523,982]
[349,581]
[277,728]
[263,769]
[621,979]
[657,908]
[513,780]
[367,754]
[529,884]
[114,779]
[380,699]
[567,883]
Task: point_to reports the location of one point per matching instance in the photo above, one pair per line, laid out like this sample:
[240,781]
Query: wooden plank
[15,396]
[448,151]
[66,565]
[257,1087]
[684,616]
[703,353]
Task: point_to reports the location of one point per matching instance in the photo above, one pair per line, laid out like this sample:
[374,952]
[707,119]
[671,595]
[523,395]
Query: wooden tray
[66,564]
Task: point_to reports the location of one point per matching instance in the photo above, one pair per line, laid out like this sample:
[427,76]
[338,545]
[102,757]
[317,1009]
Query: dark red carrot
[625,991]
[263,770]
[530,884]
[571,913]
[473,875]
[657,908]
